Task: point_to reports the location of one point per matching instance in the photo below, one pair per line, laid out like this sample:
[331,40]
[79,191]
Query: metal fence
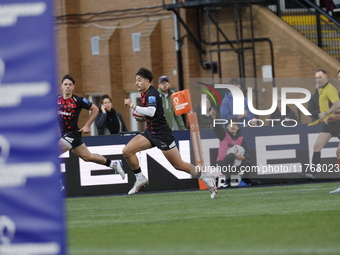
[314,20]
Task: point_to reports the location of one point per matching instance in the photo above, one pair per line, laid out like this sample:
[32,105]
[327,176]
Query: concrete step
[324,34]
[332,52]
[313,27]
[327,42]
[304,19]
[306,25]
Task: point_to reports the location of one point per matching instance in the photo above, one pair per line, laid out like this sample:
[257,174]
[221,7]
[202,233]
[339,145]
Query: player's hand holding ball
[127,102]
[139,117]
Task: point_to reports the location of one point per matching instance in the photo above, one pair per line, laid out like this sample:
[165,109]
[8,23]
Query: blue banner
[31,205]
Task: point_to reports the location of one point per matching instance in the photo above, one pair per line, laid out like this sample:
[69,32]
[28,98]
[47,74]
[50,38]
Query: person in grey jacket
[165,92]
[109,121]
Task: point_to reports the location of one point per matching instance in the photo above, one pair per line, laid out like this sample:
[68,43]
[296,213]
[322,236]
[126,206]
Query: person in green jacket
[165,92]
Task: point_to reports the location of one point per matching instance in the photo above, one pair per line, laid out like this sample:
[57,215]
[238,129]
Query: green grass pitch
[294,219]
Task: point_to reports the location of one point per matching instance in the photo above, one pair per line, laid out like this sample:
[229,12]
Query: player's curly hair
[67,76]
[145,73]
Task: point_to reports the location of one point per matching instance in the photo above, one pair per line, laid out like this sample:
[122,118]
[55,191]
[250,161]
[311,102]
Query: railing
[312,20]
[191,3]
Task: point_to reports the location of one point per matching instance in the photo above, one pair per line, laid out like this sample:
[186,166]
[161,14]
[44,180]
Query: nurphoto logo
[238,104]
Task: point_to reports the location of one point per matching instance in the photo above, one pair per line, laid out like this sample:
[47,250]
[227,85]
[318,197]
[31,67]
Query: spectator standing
[313,104]
[226,109]
[109,121]
[205,121]
[169,113]
[290,115]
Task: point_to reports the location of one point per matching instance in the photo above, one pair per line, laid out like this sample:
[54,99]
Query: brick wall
[113,70]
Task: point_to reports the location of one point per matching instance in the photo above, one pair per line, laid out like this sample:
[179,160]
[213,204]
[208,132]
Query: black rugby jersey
[156,124]
[69,110]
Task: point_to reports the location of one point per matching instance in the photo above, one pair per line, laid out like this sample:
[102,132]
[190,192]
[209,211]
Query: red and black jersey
[69,110]
[156,124]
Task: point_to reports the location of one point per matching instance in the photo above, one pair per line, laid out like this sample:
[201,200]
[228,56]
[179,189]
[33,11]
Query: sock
[316,158]
[137,171]
[199,174]
[108,162]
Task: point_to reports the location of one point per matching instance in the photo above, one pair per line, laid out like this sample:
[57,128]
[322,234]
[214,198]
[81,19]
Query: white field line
[280,191]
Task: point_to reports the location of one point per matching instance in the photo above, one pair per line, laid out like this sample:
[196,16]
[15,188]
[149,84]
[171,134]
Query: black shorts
[333,128]
[72,139]
[163,142]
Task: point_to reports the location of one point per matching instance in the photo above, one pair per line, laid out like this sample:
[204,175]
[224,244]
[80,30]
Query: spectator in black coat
[109,121]
[313,105]
[277,114]
[206,121]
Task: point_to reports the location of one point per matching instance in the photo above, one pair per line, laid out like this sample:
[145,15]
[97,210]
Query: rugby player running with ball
[157,133]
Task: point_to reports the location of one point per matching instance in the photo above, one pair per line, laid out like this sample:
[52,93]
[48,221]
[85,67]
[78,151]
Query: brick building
[103,43]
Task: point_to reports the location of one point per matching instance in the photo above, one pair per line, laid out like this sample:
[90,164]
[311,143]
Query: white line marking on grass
[280,191]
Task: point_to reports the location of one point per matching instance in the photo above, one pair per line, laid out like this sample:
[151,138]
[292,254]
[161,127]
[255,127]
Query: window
[135,125]
[95,45]
[94,98]
[136,41]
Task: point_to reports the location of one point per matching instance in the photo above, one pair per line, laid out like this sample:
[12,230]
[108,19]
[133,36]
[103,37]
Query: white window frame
[134,96]
[136,41]
[93,98]
[95,46]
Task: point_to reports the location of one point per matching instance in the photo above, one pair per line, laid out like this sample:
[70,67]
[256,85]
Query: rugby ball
[138,117]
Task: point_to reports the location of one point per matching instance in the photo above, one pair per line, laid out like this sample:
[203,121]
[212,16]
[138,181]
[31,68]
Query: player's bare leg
[337,190]
[174,157]
[83,152]
[338,155]
[321,141]
[136,144]
[63,147]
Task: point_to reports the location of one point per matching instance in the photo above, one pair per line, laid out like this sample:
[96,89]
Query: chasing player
[69,107]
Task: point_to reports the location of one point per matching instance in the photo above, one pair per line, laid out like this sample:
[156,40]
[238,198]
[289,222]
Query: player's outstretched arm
[332,118]
[335,106]
[94,112]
